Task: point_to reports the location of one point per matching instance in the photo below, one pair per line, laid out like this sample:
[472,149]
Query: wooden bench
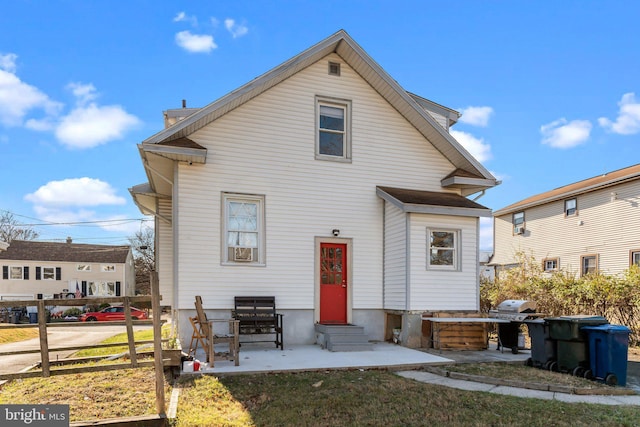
[257,316]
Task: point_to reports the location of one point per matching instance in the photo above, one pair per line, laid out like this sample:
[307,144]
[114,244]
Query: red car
[112,313]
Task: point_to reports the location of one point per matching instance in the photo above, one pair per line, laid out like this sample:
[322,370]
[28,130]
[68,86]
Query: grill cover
[516,306]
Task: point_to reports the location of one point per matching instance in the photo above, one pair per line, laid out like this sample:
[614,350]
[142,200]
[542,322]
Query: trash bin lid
[579,318]
[610,329]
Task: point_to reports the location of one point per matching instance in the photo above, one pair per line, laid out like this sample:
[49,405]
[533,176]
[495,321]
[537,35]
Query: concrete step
[340,329]
[349,346]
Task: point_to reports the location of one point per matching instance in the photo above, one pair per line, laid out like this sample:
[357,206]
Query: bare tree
[11,229]
[143,244]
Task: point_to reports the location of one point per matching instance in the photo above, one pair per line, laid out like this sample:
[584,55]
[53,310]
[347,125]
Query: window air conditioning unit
[243,254]
[519,229]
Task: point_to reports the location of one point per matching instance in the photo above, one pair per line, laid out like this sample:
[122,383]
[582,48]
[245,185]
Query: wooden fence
[126,301]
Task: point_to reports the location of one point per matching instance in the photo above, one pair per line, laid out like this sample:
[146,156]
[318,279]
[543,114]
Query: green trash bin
[572,343]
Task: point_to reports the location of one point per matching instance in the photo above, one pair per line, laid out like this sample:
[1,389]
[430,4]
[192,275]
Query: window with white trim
[83,267]
[550,264]
[570,207]
[16,273]
[442,249]
[333,133]
[48,273]
[108,268]
[243,229]
[518,222]
[102,289]
[635,258]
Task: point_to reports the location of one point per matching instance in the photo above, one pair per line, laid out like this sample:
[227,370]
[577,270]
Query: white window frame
[101,288]
[345,105]
[52,273]
[11,270]
[517,222]
[571,211]
[258,254]
[455,265]
[545,265]
[108,268]
[83,267]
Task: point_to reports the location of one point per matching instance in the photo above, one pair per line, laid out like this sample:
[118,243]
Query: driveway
[58,337]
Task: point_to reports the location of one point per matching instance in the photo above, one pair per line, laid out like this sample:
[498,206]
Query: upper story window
[443,249]
[518,223]
[48,273]
[83,267]
[570,207]
[635,258]
[108,268]
[243,229]
[333,129]
[550,264]
[16,273]
[589,264]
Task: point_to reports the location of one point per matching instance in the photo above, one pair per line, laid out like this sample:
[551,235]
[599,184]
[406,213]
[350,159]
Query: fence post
[157,343]
[44,341]
[132,345]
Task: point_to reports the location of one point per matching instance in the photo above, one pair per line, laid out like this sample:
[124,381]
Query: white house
[36,270]
[580,228]
[325,184]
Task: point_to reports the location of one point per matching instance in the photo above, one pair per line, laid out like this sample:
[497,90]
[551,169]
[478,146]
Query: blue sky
[549,90]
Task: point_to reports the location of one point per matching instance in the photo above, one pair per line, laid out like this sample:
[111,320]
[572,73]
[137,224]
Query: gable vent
[334,69]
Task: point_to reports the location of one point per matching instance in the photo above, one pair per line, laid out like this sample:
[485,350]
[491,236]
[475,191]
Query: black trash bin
[572,344]
[608,351]
[544,349]
[33,317]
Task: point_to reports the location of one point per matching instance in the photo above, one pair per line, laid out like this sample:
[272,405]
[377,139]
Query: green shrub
[561,293]
[73,311]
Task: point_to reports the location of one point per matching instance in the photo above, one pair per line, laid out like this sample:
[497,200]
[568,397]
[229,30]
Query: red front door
[333,283]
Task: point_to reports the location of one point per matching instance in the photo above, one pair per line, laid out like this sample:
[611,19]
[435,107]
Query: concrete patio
[255,358]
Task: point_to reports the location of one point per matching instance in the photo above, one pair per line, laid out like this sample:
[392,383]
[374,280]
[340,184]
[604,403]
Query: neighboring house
[584,227]
[325,184]
[36,270]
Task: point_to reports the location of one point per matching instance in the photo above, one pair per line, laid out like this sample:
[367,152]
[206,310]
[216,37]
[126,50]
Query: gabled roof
[419,201]
[343,45]
[28,250]
[607,179]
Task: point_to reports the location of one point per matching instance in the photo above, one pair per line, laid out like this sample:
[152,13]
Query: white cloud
[628,121]
[195,43]
[183,17]
[476,116]
[473,145]
[92,125]
[564,134]
[236,30]
[18,99]
[8,62]
[84,93]
[79,192]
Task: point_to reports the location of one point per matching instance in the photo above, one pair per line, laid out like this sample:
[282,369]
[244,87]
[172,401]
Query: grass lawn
[17,334]
[371,398]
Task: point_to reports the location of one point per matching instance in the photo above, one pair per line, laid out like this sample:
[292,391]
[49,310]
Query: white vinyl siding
[395,258]
[267,147]
[432,289]
[164,260]
[604,226]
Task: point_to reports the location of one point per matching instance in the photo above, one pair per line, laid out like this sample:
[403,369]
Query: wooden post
[44,342]
[157,343]
[130,337]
